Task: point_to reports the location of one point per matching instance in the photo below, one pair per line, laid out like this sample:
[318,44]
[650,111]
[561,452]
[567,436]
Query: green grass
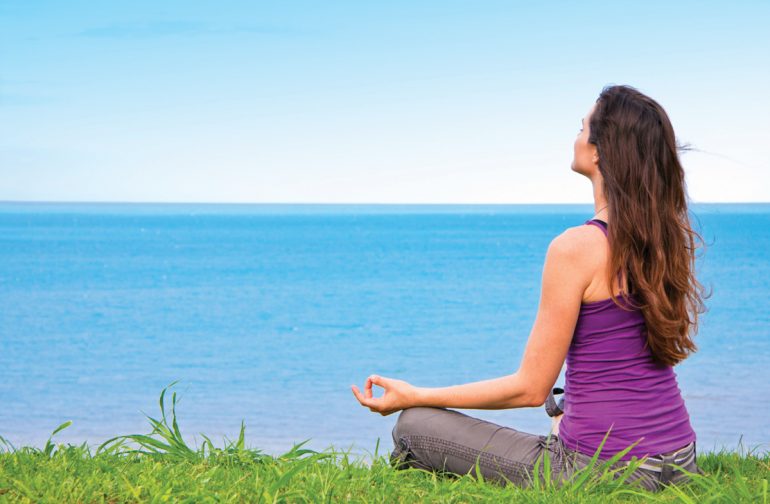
[162,467]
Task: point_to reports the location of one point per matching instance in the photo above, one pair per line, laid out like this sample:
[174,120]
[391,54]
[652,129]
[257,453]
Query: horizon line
[109,202]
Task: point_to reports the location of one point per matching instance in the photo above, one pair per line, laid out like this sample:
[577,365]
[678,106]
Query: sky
[366,102]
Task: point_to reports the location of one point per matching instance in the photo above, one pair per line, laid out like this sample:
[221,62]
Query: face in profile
[585,159]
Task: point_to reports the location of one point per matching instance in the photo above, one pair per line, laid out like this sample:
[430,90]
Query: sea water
[267,314]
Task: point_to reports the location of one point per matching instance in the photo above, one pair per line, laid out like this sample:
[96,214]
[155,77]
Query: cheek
[579,148]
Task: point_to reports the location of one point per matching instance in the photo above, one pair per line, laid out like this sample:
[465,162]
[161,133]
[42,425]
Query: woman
[619,301]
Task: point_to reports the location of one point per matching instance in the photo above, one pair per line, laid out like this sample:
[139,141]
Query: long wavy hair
[650,235]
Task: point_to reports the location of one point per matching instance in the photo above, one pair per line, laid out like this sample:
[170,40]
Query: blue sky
[381,102]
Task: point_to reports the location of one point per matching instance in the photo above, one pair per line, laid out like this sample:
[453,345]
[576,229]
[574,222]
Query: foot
[555,424]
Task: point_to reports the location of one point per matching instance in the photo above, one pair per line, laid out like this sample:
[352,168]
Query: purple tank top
[612,381]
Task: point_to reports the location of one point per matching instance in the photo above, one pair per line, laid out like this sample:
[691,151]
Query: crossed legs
[449,441]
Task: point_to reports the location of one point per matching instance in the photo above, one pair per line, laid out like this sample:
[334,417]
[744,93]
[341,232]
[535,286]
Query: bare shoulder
[570,264]
[578,244]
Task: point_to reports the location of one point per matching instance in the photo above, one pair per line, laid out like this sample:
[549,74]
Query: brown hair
[650,235]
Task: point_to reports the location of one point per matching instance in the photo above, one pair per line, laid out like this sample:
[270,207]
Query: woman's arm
[497,393]
[566,274]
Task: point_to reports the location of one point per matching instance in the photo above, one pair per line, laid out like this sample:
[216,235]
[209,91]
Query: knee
[412,421]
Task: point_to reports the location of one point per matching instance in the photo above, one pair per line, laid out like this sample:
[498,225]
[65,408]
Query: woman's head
[636,149]
[631,140]
[585,160]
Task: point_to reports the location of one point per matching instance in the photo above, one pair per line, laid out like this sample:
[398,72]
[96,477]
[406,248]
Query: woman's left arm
[566,274]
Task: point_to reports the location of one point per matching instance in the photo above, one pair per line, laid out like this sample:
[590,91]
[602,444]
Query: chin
[580,171]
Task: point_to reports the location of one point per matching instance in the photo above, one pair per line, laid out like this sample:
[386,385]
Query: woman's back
[613,382]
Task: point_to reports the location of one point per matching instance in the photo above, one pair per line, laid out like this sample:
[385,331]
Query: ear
[595,156]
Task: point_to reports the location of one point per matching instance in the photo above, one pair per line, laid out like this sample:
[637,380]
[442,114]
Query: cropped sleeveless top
[613,384]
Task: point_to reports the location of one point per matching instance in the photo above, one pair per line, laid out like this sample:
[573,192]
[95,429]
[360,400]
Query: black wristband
[552,406]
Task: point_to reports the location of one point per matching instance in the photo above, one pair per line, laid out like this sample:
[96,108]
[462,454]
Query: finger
[363,400]
[379,380]
[370,402]
[368,388]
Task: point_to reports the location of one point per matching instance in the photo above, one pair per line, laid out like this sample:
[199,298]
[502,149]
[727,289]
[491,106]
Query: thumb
[379,380]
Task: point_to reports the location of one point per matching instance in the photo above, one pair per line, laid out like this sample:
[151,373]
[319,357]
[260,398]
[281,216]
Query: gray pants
[448,441]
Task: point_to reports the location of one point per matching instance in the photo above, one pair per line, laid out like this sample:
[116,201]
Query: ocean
[267,314]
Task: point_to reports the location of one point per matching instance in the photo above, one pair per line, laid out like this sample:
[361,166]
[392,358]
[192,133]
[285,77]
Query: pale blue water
[268,313]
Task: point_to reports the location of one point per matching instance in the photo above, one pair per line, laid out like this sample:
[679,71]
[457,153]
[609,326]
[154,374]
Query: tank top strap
[598,223]
[603,226]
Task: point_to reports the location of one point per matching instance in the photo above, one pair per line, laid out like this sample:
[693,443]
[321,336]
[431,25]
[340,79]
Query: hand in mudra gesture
[398,395]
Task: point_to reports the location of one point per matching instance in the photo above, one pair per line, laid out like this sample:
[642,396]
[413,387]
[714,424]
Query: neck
[600,202]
